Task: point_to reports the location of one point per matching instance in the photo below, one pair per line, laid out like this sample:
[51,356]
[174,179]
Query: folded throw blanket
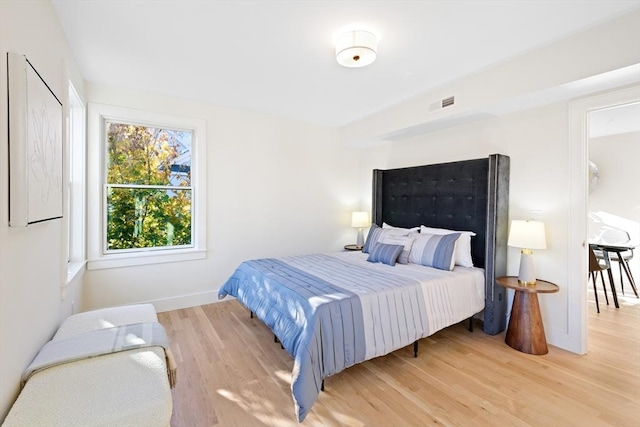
[102,342]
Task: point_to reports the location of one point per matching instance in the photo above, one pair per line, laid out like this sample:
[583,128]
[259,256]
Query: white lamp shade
[527,235]
[356,48]
[360,219]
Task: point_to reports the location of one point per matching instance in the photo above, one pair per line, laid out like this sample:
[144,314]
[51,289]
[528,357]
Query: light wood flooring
[231,373]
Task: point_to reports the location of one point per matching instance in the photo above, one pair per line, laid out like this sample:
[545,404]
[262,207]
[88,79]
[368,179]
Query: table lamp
[360,220]
[527,235]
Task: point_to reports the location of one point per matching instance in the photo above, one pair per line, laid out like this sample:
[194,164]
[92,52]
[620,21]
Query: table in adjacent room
[618,250]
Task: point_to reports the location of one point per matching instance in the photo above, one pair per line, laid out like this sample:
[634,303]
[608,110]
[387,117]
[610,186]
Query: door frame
[577,245]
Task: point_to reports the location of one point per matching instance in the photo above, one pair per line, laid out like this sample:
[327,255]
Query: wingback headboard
[470,195]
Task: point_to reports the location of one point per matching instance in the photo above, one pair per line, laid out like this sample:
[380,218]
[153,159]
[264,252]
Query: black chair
[619,255]
[622,258]
[594,267]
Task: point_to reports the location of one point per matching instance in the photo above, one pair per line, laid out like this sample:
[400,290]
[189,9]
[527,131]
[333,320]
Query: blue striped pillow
[434,250]
[405,241]
[386,254]
[375,232]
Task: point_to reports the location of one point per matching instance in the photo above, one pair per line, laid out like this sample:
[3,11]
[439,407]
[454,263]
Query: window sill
[145,258]
[74,270]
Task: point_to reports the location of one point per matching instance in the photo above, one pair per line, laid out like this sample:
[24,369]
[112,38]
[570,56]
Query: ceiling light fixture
[356,48]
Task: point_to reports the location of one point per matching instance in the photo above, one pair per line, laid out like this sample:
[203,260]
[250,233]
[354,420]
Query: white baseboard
[184,301]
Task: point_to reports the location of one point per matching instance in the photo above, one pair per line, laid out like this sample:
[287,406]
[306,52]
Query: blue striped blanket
[330,312]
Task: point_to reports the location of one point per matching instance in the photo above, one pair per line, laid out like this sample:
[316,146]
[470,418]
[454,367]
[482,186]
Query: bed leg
[471,324]
[322,386]
[415,349]
[251,314]
[276,340]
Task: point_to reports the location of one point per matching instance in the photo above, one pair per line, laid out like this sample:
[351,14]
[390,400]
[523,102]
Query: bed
[331,311]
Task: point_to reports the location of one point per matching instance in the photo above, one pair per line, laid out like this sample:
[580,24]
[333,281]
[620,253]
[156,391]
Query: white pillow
[398,231]
[463,246]
[406,241]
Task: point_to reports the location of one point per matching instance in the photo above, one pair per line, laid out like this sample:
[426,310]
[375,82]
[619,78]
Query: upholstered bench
[125,388]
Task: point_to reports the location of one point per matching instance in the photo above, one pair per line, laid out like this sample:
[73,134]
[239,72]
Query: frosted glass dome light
[356,48]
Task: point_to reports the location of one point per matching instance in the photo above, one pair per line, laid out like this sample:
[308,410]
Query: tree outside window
[148,187]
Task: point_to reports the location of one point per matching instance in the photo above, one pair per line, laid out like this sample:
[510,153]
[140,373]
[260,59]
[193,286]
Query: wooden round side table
[353,248]
[526,331]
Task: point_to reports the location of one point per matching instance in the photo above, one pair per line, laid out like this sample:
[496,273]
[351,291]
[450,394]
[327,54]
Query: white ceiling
[277,57]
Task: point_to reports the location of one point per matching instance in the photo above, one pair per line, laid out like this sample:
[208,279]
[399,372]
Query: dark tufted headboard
[470,195]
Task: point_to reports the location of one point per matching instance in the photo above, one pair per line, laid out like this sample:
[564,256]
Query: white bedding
[331,311]
[449,297]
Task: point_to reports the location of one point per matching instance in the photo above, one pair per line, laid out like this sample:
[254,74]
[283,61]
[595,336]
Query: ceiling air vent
[446,102]
[439,105]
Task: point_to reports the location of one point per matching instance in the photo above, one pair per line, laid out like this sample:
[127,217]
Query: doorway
[580,115]
[613,206]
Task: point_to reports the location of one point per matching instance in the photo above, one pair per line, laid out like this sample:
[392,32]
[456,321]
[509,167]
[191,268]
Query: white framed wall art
[35,146]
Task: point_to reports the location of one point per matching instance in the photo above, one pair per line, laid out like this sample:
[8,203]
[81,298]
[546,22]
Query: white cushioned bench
[127,388]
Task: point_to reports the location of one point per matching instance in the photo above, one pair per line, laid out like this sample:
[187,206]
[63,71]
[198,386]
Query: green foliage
[147,217]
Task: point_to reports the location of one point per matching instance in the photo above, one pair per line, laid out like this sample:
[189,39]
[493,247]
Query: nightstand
[352,248]
[526,331]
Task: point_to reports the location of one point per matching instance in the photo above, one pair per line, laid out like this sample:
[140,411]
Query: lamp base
[527,274]
[360,239]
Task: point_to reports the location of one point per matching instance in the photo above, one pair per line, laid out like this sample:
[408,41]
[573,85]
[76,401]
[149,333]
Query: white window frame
[75,219]
[107,186]
[98,257]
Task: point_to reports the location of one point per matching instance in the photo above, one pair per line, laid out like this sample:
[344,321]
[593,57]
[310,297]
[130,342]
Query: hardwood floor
[231,373]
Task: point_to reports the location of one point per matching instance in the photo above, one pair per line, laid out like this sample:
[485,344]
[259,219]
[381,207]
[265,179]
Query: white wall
[275,187]
[618,194]
[32,267]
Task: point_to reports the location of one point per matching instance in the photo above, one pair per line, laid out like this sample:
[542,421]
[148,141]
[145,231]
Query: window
[150,192]
[76,186]
[148,188]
